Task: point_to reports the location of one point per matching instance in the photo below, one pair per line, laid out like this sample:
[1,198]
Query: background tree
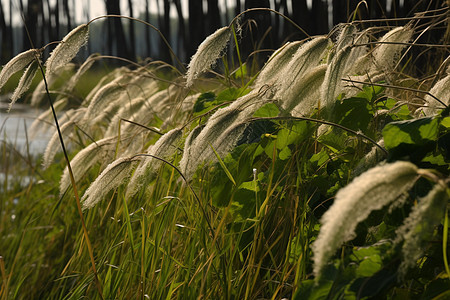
[131,30]
[50,20]
[5,36]
[164,26]
[116,34]
[196,27]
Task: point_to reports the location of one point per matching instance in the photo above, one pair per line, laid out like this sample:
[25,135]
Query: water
[14,125]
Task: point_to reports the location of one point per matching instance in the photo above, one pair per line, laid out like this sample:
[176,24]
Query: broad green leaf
[241,72]
[319,159]
[417,132]
[285,153]
[231,94]
[354,113]
[268,110]
[387,103]
[370,92]
[250,185]
[336,140]
[402,113]
[369,260]
[445,122]
[204,101]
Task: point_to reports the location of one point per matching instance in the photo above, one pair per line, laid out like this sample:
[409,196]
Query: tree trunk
[237,9]
[68,15]
[181,31]
[147,29]
[5,50]
[301,16]
[342,10]
[319,11]
[131,32]
[213,17]
[32,13]
[164,26]
[196,26]
[116,32]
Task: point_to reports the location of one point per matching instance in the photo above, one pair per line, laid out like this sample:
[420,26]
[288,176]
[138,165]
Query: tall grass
[238,186]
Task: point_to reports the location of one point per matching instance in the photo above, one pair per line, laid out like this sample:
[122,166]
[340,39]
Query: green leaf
[225,169]
[241,72]
[268,110]
[204,101]
[231,94]
[250,185]
[354,113]
[402,113]
[294,135]
[369,259]
[445,122]
[319,159]
[334,140]
[285,153]
[417,132]
[386,103]
[310,290]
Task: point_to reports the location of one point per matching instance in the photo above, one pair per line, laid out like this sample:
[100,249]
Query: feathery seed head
[276,63]
[39,92]
[18,63]
[54,144]
[440,90]
[200,151]
[332,83]
[81,70]
[418,227]
[25,82]
[370,191]
[67,49]
[106,96]
[308,56]
[165,147]
[303,96]
[207,53]
[85,159]
[372,158]
[115,174]
[42,122]
[385,55]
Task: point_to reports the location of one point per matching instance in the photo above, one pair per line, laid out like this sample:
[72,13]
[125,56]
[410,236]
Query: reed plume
[370,191]
[67,48]
[207,53]
[18,63]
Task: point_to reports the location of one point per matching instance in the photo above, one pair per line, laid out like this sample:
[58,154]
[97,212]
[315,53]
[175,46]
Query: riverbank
[14,129]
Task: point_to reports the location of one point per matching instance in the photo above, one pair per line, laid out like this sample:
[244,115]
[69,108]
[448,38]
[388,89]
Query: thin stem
[211,229]
[238,54]
[444,243]
[190,187]
[75,191]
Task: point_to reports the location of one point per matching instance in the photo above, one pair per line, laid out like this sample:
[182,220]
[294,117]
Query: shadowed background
[184,23]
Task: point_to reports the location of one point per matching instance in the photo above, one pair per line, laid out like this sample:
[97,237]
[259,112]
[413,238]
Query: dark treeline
[46,21]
